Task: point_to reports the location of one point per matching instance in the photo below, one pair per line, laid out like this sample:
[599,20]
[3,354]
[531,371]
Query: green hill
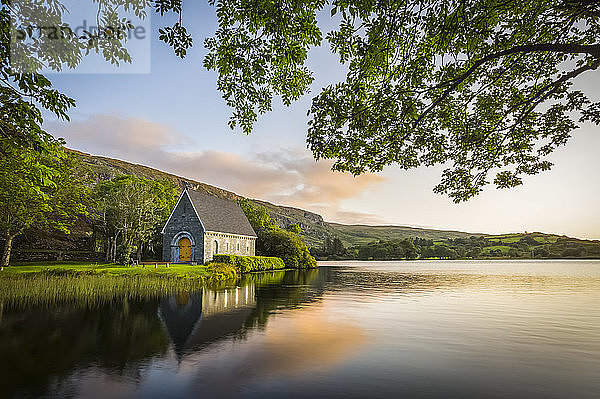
[362,234]
[317,231]
[515,246]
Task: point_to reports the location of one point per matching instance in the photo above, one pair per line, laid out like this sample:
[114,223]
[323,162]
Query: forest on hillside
[514,246]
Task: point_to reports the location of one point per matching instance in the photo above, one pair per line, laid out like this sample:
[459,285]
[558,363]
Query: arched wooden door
[185,250]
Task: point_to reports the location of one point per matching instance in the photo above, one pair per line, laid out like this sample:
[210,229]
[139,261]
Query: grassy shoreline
[80,268]
[85,283]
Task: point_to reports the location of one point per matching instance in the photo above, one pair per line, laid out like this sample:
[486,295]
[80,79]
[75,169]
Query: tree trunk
[139,252]
[8,239]
[113,254]
[114,248]
[108,249]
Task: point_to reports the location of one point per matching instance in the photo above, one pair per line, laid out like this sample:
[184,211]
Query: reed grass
[88,290]
[49,284]
[93,284]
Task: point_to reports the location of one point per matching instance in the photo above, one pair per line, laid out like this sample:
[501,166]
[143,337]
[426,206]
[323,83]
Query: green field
[505,239]
[516,237]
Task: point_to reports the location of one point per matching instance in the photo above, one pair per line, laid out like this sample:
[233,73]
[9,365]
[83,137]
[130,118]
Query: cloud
[350,217]
[110,134]
[309,342]
[290,177]
[315,182]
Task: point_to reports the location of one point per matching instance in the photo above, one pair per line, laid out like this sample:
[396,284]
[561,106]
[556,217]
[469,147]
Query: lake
[429,329]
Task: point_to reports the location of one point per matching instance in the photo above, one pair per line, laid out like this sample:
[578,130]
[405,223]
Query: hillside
[514,246]
[316,230]
[373,242]
[362,234]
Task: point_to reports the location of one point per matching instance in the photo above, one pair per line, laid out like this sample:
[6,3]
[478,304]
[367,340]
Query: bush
[245,264]
[220,270]
[274,241]
[289,247]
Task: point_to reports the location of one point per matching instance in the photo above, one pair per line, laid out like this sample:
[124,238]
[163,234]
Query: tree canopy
[130,211]
[483,87]
[275,241]
[34,37]
[38,188]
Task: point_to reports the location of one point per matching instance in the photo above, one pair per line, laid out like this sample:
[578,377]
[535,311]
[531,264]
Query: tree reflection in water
[40,346]
[386,329]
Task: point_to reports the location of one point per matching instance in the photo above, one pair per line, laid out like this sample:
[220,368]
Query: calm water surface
[347,330]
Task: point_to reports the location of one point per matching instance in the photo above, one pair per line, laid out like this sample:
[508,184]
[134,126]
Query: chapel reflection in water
[195,320]
[121,336]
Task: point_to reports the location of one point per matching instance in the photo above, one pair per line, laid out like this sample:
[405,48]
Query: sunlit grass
[178,270]
[88,289]
[85,284]
[90,284]
[516,237]
[505,240]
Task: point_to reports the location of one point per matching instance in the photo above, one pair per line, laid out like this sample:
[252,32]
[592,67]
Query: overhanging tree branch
[592,49]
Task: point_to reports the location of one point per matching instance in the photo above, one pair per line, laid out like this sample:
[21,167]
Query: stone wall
[229,244]
[183,223]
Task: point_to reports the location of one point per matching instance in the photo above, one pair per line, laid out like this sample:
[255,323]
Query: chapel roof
[220,215]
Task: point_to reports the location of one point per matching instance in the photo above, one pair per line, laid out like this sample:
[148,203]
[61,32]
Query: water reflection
[122,336]
[37,345]
[344,331]
[197,319]
[309,343]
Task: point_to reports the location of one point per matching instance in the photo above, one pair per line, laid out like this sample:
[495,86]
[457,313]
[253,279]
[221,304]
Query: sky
[166,113]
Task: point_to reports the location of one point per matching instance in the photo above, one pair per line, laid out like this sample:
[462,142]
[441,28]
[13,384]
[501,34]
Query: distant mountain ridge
[316,230]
